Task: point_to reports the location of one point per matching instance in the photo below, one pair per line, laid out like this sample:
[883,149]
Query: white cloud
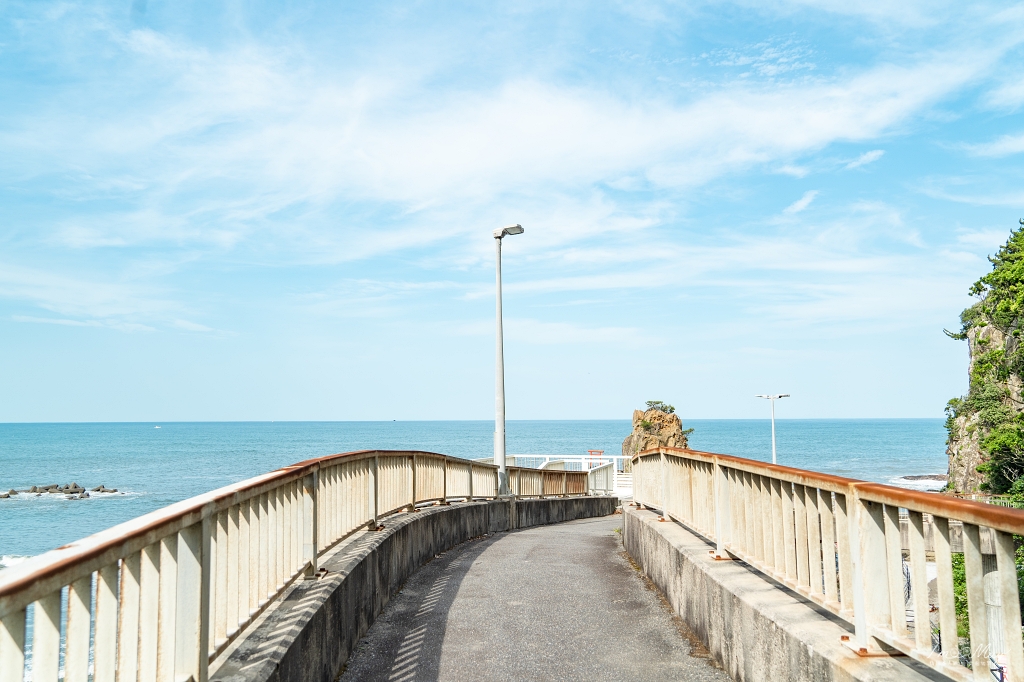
[865,158]
[795,171]
[127,306]
[291,138]
[1003,146]
[527,330]
[191,326]
[801,203]
[963,191]
[989,240]
[65,322]
[1010,95]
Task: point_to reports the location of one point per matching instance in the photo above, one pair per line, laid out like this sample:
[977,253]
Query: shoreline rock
[69,490]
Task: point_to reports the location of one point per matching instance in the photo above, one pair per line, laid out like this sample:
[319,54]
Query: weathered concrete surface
[310,633]
[756,629]
[549,603]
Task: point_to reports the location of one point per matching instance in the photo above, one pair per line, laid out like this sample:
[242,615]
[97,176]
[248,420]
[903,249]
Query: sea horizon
[152,467]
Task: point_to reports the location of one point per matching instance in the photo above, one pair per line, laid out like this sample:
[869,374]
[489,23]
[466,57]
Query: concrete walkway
[557,602]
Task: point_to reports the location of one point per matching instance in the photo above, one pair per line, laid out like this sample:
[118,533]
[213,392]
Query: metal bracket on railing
[865,652]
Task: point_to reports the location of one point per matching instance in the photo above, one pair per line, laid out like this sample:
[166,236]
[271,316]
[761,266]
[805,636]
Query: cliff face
[978,424]
[986,426]
[963,446]
[652,429]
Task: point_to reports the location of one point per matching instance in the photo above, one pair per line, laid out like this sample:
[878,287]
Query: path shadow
[404,643]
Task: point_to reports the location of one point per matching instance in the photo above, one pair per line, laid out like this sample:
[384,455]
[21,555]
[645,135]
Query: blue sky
[266,210]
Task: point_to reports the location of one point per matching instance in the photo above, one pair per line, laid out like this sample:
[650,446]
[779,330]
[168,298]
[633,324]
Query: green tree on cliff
[999,414]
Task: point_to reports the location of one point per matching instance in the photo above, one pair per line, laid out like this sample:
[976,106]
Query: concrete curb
[756,629]
[311,632]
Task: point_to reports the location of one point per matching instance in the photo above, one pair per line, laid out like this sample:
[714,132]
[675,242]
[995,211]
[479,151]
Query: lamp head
[511,229]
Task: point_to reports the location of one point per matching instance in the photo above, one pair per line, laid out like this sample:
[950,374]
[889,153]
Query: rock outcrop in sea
[69,490]
[655,428]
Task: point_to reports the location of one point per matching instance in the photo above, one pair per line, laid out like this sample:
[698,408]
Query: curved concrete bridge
[298,575]
[558,602]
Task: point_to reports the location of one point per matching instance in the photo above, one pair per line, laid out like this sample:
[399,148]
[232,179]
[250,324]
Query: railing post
[470,499]
[870,578]
[12,646]
[412,503]
[310,523]
[444,480]
[721,510]
[191,635]
[664,489]
[372,493]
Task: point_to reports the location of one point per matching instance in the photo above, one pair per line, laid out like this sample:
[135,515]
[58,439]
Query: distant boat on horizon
[156,427]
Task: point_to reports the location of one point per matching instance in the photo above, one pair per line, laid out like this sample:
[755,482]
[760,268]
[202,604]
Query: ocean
[153,467]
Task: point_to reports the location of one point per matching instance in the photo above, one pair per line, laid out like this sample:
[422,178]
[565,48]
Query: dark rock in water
[55,491]
[39,494]
[73,485]
[32,489]
[97,489]
[12,491]
[927,477]
[4,496]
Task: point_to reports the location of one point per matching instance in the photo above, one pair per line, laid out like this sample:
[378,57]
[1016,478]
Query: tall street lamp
[499,370]
[773,398]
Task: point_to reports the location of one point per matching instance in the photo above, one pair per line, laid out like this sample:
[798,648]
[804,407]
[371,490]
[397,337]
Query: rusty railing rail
[160,597]
[837,541]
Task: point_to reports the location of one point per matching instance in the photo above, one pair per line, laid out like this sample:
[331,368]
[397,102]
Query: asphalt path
[559,602]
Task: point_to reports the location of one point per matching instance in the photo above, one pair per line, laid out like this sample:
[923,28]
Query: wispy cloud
[1003,146]
[296,140]
[801,203]
[332,183]
[865,158]
[64,322]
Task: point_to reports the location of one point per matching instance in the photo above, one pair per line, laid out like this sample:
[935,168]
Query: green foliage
[963,623]
[1001,423]
[660,406]
[1016,493]
[646,425]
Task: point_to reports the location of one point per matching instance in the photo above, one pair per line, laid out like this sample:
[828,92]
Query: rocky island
[657,426]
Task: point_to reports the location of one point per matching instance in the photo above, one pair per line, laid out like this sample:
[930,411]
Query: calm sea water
[155,467]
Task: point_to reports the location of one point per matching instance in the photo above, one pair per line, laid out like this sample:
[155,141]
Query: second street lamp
[773,398]
[499,368]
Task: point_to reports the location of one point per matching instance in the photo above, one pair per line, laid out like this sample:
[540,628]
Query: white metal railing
[838,542]
[601,479]
[160,597]
[622,482]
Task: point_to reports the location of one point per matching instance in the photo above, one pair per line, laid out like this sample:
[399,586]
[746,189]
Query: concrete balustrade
[167,593]
[837,542]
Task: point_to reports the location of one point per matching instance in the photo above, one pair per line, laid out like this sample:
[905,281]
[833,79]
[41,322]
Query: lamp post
[773,398]
[499,368]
